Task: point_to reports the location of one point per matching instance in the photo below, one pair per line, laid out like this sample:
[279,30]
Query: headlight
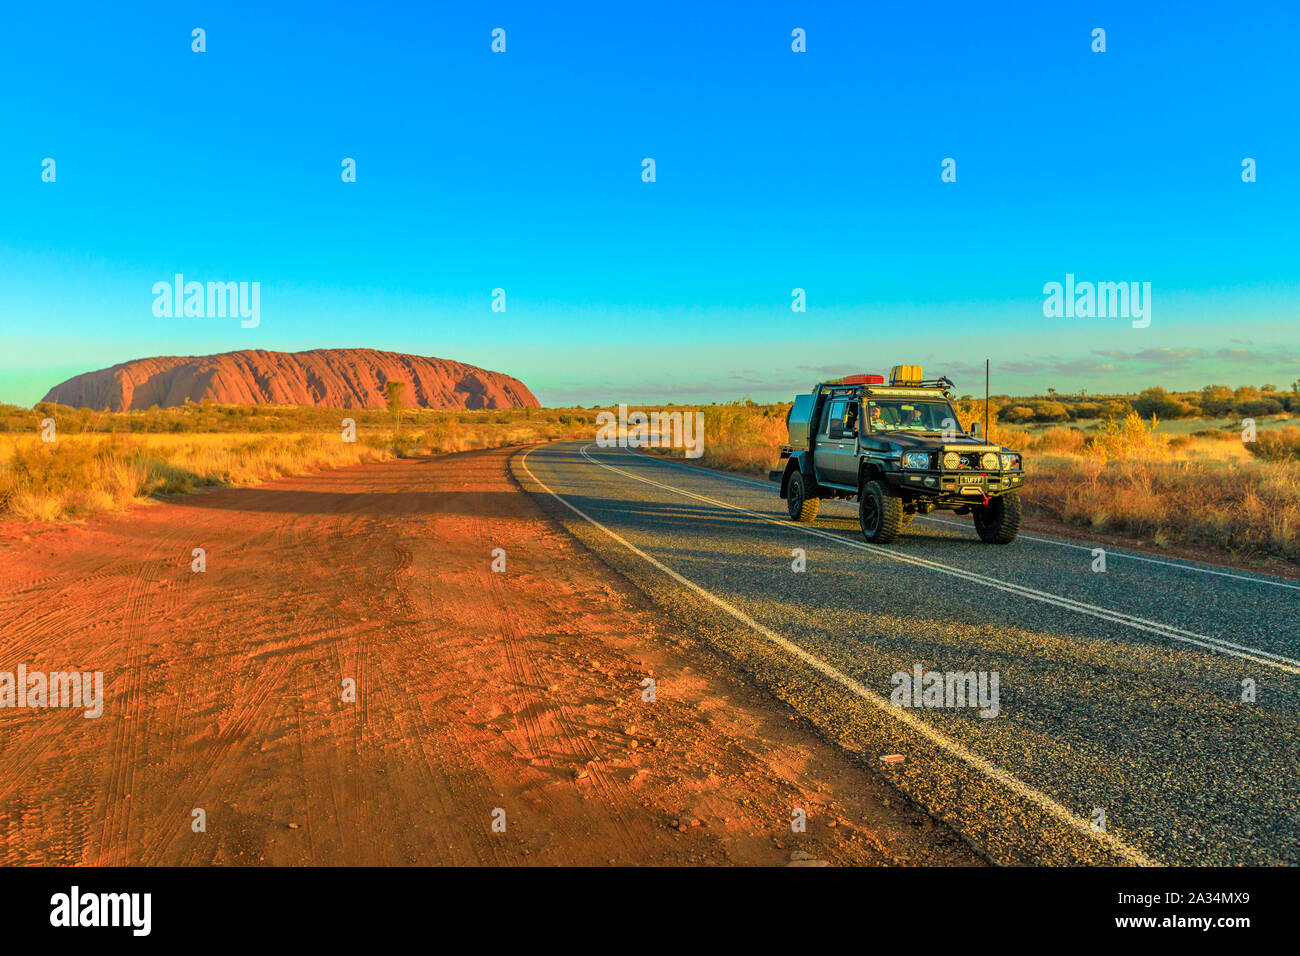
[1010,462]
[989,461]
[952,461]
[916,459]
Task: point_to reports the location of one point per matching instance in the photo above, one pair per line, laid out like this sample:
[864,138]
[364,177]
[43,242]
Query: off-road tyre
[880,512]
[998,522]
[802,508]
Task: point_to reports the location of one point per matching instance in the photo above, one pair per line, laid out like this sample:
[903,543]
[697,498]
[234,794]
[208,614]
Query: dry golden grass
[1208,489]
[743,437]
[85,473]
[1126,477]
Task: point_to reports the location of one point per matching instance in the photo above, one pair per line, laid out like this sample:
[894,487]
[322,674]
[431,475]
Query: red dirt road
[476,691]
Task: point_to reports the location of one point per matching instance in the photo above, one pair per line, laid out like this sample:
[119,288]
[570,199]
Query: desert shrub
[972,410]
[741,436]
[1257,407]
[1216,401]
[1132,439]
[1056,440]
[1280,444]
[1156,401]
[443,433]
[1051,412]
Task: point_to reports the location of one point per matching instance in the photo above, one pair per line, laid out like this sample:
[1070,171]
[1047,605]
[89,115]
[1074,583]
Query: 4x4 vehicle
[898,449]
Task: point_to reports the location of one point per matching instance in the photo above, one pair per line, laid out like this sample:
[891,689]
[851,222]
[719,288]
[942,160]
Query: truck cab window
[851,419]
[834,416]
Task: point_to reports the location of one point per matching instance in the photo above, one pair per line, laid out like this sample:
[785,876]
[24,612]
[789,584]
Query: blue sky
[775,170]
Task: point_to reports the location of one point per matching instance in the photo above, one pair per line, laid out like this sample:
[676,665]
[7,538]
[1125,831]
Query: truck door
[835,455]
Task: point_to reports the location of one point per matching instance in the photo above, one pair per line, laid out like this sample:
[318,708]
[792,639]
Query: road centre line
[1056,542]
[989,769]
[1215,644]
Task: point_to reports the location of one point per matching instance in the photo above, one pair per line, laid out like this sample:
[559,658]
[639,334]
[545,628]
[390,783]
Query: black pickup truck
[900,451]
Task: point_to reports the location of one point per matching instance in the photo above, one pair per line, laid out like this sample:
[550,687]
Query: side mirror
[976,428]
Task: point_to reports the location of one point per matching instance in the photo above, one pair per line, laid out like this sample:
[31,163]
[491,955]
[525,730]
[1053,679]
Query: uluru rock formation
[335,378]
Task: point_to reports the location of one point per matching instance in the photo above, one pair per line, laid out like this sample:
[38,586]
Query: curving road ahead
[1121,734]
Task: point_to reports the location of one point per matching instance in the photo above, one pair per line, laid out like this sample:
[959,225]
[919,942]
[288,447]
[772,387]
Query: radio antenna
[986,399]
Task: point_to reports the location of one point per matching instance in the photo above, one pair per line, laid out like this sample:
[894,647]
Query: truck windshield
[911,415]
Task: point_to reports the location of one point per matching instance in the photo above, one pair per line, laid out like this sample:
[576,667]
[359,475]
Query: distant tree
[1016,414]
[1051,412]
[1216,401]
[1156,401]
[1256,406]
[396,395]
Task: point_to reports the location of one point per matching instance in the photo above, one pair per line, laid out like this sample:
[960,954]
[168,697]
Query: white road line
[1215,644]
[1135,557]
[939,739]
[1057,542]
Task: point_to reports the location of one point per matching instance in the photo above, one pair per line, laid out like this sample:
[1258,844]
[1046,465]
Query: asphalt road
[1121,734]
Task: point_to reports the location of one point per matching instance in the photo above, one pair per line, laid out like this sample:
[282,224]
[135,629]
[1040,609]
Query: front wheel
[802,508]
[998,522]
[880,512]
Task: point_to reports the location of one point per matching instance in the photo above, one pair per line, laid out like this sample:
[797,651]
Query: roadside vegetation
[1133,472]
[105,461]
[1191,482]
[1210,402]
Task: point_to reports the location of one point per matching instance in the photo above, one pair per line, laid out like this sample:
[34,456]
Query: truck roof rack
[941,382]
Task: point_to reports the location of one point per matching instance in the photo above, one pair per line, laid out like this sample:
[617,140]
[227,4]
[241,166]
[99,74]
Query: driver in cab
[882,417]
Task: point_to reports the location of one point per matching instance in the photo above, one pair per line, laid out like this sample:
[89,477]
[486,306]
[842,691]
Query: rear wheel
[998,522]
[880,512]
[802,508]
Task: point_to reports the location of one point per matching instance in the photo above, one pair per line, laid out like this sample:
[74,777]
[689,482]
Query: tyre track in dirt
[232,718]
[476,691]
[587,758]
[466,794]
[374,535]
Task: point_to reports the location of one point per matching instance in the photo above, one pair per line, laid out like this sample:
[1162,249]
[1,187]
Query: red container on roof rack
[863,380]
